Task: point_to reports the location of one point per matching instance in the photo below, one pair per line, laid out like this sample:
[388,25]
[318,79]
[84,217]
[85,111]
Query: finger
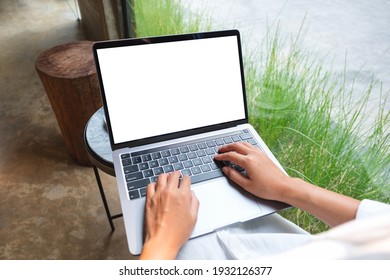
[173,179]
[150,190]
[236,176]
[161,181]
[194,205]
[233,157]
[185,183]
[248,145]
[239,147]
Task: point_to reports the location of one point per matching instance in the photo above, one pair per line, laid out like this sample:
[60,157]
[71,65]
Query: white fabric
[367,237]
[368,208]
[242,240]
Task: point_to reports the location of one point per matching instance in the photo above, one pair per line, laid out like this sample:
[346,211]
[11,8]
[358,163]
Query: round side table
[97,144]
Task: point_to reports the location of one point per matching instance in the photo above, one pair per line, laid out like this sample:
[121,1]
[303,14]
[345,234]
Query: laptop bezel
[166,39]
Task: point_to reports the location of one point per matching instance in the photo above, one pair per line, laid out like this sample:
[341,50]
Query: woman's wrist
[297,192]
[159,249]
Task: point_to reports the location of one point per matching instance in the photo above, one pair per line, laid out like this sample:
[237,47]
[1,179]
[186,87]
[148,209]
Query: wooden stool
[68,75]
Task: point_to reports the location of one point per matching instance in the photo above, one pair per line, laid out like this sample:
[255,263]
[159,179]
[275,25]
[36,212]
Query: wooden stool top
[67,61]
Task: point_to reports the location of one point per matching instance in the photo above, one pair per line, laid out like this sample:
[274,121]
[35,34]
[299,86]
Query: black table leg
[99,182]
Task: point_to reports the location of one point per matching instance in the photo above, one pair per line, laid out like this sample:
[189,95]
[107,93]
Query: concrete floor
[50,207]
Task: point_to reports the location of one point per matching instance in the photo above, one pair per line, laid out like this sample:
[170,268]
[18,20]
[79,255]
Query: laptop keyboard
[193,158]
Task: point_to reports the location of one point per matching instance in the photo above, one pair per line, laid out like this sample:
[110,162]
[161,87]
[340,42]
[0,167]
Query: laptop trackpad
[222,203]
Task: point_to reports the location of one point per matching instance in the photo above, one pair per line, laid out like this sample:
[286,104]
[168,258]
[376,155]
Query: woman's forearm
[330,207]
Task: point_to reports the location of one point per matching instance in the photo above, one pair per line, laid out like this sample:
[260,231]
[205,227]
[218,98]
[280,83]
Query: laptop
[170,102]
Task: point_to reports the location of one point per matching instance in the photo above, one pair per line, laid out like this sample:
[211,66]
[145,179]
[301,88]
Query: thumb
[194,205]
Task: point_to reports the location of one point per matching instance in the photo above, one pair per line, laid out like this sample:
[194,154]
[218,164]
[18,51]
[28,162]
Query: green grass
[306,114]
[307,117]
[164,17]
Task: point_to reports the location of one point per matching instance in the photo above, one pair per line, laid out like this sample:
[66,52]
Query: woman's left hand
[170,216]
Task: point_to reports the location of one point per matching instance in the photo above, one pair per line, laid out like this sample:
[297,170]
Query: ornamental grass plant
[307,115]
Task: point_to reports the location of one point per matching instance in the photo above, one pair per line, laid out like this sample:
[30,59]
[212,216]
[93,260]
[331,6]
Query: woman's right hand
[264,179]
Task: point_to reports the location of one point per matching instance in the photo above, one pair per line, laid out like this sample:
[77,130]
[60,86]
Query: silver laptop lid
[161,88]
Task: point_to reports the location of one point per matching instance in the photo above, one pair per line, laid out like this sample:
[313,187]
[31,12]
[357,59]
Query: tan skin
[170,216]
[171,211]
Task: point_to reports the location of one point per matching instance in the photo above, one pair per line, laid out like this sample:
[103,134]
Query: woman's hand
[170,215]
[264,179]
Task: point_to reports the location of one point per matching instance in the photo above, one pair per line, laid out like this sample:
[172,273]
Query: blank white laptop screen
[156,89]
